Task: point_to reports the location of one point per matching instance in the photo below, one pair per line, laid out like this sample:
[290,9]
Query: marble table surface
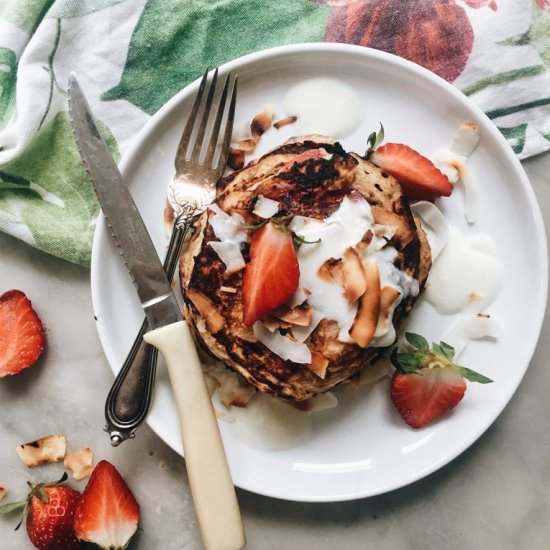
[494,497]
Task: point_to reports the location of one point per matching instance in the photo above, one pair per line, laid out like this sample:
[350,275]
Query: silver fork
[197,171]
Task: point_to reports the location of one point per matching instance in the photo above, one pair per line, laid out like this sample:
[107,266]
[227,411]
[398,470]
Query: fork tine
[205,116]
[184,140]
[228,131]
[217,124]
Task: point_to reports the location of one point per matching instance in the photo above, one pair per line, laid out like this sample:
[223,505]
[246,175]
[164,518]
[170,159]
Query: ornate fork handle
[129,398]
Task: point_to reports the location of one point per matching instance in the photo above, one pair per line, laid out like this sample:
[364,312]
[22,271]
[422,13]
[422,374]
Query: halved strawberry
[21,333]
[108,513]
[424,395]
[271,276]
[427,381]
[419,177]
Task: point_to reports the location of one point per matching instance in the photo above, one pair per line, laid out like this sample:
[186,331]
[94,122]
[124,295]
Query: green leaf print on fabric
[515,136]
[56,200]
[174,41]
[78,8]
[8,77]
[25,14]
[538,34]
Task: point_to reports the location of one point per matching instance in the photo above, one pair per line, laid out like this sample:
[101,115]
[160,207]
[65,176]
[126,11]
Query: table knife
[207,469]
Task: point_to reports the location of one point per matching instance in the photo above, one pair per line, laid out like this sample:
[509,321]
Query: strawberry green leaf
[474,376]
[437,350]
[406,362]
[11,507]
[253,226]
[41,494]
[299,241]
[448,350]
[374,140]
[417,341]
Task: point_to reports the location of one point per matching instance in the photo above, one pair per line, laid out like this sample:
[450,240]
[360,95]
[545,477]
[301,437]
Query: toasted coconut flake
[318,365]
[403,232]
[466,139]
[228,289]
[285,122]
[80,463]
[46,449]
[282,346]
[303,333]
[272,324]
[331,270]
[230,254]
[248,145]
[364,326]
[207,310]
[300,316]
[260,123]
[265,208]
[463,178]
[3,492]
[231,388]
[298,298]
[354,277]
[435,225]
[365,241]
[388,299]
[235,159]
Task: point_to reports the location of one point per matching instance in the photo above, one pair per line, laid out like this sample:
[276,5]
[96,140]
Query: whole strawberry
[50,510]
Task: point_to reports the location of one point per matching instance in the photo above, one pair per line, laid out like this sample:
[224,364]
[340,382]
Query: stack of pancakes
[309,184]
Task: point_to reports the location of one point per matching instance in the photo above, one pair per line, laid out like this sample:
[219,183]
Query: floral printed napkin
[133,55]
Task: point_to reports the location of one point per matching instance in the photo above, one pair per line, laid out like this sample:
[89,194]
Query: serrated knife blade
[127,228]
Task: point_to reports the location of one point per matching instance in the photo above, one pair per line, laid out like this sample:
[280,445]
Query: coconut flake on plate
[230,254]
[435,225]
[265,208]
[3,492]
[282,346]
[226,227]
[471,328]
[466,139]
[453,163]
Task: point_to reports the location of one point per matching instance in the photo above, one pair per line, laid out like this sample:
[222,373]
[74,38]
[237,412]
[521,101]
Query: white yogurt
[324,106]
[466,276]
[339,231]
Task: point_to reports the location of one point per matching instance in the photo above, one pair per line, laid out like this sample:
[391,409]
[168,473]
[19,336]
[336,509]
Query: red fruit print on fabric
[436,34]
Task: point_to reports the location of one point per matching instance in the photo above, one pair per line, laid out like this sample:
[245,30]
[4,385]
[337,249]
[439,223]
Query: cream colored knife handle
[209,477]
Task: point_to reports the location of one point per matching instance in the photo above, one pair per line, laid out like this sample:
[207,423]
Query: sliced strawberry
[271,276]
[108,513]
[419,177]
[21,333]
[424,395]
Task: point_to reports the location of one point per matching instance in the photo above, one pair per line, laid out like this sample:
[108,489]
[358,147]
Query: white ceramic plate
[362,448]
